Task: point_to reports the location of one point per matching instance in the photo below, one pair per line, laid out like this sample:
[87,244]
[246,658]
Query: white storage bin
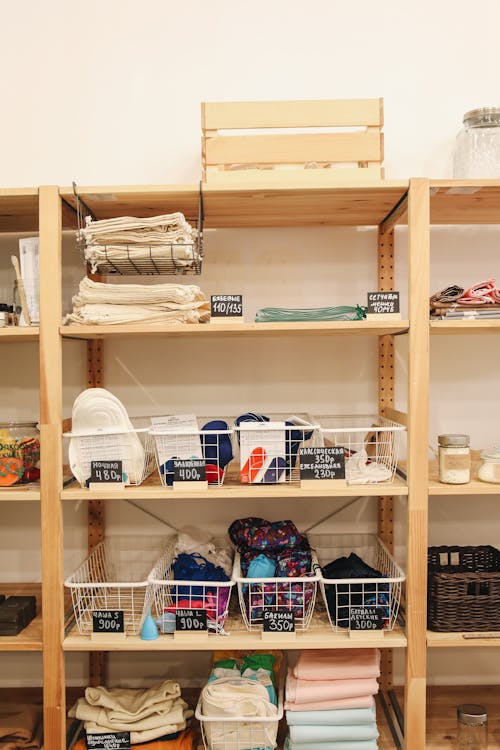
[115,576]
[133,448]
[260,595]
[241,732]
[269,451]
[213,596]
[342,595]
[215,446]
[371,445]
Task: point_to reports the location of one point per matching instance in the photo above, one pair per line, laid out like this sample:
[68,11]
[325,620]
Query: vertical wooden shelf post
[51,468]
[418,418]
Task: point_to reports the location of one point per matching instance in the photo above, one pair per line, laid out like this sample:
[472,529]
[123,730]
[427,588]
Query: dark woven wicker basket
[463,592]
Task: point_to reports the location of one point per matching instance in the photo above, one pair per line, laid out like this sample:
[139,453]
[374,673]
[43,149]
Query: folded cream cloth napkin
[338,664]
[310,691]
[93,292]
[128,702]
[227,697]
[170,719]
[122,314]
[20,726]
[162,223]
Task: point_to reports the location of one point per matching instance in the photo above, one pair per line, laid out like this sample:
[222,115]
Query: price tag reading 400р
[226,305]
[190,470]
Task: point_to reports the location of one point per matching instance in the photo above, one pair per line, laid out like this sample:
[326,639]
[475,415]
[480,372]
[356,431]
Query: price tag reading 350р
[322,463]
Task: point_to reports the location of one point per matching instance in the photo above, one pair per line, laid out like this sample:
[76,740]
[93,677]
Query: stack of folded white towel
[111,304]
[330,701]
[146,714]
[159,238]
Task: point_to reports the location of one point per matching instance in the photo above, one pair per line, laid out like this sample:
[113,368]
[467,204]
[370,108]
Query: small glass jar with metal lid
[454,459]
[477,148]
[472,727]
[489,469]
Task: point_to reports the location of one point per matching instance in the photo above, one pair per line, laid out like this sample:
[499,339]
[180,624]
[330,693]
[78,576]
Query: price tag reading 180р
[322,463]
[226,305]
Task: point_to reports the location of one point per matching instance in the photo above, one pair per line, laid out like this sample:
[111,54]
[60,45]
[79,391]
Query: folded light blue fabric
[339,733]
[349,716]
[349,745]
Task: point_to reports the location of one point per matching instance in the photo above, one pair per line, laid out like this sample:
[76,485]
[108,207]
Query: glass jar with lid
[489,469]
[477,148]
[454,459]
[19,453]
[472,727]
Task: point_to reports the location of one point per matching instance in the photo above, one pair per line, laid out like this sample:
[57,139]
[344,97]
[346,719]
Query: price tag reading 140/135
[322,463]
[226,305]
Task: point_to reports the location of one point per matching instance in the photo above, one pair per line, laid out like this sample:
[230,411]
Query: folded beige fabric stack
[146,713]
[20,726]
[112,304]
[167,237]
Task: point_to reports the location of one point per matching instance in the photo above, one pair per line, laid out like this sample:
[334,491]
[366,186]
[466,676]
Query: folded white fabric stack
[146,714]
[111,304]
[169,237]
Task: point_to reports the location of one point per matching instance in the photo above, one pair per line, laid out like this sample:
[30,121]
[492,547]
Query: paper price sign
[191,620]
[108,621]
[189,470]
[367,618]
[279,621]
[383,303]
[106,472]
[226,305]
[322,463]
[109,741]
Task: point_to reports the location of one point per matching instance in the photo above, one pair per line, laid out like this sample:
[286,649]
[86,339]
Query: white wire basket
[171,594]
[269,451]
[134,448]
[214,446]
[371,445]
[260,595]
[382,596]
[115,577]
[241,732]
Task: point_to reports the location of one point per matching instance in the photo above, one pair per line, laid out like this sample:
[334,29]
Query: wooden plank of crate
[296,114]
[293,149]
[278,176]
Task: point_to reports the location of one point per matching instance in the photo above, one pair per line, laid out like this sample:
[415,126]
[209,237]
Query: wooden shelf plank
[18,210]
[465,201]
[354,327]
[462,327]
[29,639]
[462,640]
[24,494]
[474,487]
[232,490]
[19,333]
[335,204]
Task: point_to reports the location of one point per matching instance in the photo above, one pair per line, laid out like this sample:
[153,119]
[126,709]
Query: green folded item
[309,315]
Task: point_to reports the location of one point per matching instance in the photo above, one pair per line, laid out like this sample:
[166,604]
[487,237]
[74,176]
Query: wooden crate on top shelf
[343,141]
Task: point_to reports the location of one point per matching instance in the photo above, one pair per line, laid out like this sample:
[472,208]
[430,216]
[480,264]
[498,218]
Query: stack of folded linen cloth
[240,689]
[479,301]
[159,238]
[149,714]
[20,726]
[330,701]
[113,304]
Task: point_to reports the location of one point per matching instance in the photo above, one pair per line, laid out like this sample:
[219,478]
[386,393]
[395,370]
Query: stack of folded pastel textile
[157,713]
[157,239]
[273,550]
[240,689]
[479,301]
[330,701]
[20,726]
[197,558]
[113,304]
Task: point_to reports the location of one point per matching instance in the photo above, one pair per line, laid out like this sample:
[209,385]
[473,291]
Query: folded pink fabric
[363,701]
[310,691]
[479,294]
[338,664]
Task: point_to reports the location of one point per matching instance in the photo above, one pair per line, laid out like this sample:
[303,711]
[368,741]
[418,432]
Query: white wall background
[109,91]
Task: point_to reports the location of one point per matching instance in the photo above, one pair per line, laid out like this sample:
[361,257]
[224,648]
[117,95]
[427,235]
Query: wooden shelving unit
[19,334]
[29,639]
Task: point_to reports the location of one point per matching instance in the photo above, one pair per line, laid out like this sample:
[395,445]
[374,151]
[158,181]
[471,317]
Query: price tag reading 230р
[322,463]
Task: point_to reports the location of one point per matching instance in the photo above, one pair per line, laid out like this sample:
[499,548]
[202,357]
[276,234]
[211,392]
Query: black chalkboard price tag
[383,303]
[322,463]
[108,621]
[366,618]
[279,621]
[190,470]
[226,305]
[191,620]
[106,472]
[109,741]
